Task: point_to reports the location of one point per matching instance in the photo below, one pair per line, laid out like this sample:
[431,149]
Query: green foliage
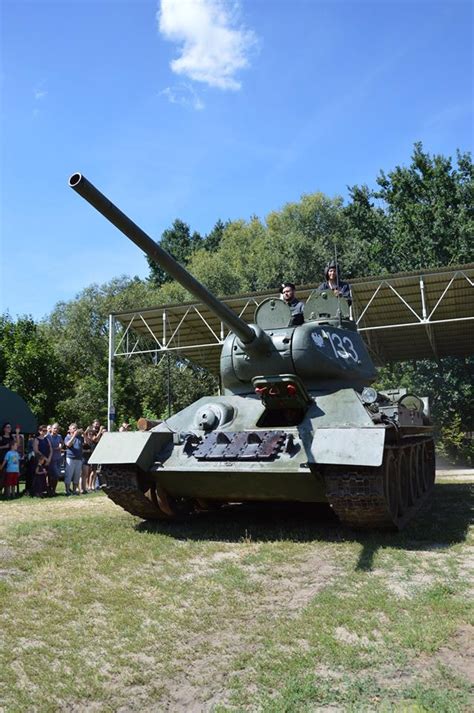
[448,384]
[29,365]
[87,401]
[369,232]
[236,266]
[212,241]
[178,242]
[455,442]
[187,384]
[301,239]
[78,330]
[429,212]
[452,435]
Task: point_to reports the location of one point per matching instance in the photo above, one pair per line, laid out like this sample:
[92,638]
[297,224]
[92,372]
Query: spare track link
[386,497]
[125,486]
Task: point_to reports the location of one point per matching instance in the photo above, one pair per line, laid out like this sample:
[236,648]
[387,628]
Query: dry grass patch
[245,610]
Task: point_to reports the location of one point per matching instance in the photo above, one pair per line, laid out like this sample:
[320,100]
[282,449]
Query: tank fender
[348,446]
[139,448]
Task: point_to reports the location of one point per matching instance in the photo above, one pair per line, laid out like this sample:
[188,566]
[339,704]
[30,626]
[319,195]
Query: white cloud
[184,95]
[213,46]
[39,91]
[39,95]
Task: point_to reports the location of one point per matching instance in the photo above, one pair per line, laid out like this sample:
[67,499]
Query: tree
[213,239]
[447,383]
[30,366]
[180,244]
[301,239]
[425,216]
[369,232]
[78,331]
[187,383]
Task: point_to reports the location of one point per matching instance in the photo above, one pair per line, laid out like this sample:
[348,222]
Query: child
[11,464]
[40,485]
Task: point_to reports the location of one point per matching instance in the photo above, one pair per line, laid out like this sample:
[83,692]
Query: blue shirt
[12,462]
[74,447]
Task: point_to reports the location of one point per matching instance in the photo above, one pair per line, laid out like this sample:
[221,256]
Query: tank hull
[294,423]
[374,475]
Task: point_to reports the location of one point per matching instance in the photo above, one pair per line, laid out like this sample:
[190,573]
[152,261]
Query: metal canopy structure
[416,315]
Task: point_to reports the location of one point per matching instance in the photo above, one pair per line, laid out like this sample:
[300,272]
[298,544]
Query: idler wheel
[137,493]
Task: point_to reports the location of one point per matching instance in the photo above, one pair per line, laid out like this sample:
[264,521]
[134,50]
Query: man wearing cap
[334,283]
[287,290]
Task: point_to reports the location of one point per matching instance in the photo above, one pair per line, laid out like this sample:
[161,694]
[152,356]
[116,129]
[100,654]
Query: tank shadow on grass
[442,521]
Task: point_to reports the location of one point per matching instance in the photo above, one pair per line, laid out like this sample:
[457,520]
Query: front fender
[139,448]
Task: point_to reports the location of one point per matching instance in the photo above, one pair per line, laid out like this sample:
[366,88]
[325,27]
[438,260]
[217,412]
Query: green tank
[297,420]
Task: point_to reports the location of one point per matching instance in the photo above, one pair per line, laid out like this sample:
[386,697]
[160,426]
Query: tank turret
[298,420]
[318,352]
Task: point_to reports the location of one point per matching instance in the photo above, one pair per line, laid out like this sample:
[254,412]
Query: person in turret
[287,291]
[334,283]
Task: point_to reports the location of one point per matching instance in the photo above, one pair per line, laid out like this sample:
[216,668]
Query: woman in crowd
[5,440]
[6,437]
[97,433]
[42,445]
[87,449]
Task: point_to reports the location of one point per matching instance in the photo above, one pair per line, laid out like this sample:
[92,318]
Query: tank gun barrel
[110,211]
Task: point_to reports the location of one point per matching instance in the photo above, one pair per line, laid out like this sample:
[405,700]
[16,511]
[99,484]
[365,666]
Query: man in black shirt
[288,291]
[334,283]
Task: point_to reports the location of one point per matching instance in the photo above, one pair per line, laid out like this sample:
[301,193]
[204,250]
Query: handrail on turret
[92,195]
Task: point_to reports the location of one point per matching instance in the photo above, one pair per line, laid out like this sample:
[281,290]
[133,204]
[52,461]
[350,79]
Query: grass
[248,609]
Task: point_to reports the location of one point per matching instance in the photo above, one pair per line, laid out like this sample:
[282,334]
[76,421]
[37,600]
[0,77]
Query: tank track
[386,497]
[135,493]
[363,498]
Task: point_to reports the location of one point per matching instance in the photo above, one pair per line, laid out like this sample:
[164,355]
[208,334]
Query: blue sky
[206,109]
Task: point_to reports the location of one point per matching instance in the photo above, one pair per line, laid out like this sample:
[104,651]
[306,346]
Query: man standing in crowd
[73,442]
[56,441]
[287,290]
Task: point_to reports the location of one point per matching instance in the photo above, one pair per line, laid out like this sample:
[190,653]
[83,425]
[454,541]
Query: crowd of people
[41,459]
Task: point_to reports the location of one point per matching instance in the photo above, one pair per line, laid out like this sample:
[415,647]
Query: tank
[296,420]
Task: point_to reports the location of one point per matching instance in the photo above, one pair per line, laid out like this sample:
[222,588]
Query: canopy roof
[14,410]
[412,315]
